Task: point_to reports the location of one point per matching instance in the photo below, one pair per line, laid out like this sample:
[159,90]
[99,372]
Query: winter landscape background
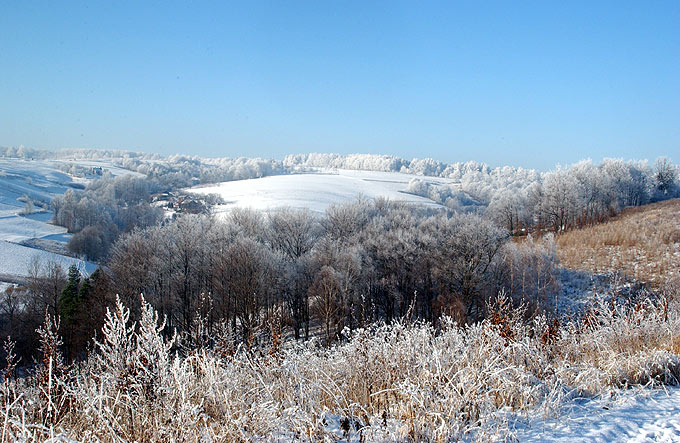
[343,297]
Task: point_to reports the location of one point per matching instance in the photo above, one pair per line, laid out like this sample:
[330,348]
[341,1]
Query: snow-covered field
[17,228]
[16,260]
[37,179]
[317,191]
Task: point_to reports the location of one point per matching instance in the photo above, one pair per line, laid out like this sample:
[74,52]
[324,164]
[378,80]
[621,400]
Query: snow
[15,260]
[39,180]
[635,415]
[317,191]
[18,228]
[639,415]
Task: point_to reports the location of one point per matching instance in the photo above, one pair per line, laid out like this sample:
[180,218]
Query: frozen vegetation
[501,378]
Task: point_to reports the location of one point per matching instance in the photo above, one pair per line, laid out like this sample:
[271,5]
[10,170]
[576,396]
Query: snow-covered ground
[636,415]
[16,259]
[17,228]
[40,180]
[639,415]
[317,191]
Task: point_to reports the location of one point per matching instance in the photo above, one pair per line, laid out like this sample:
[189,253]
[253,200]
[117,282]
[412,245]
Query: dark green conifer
[68,301]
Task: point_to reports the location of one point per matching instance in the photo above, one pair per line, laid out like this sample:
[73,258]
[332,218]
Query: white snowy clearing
[317,191]
[636,415]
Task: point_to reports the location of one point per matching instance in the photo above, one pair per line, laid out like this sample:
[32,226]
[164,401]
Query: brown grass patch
[642,242]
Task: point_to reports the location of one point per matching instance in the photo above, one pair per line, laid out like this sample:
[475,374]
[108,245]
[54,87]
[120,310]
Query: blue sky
[510,82]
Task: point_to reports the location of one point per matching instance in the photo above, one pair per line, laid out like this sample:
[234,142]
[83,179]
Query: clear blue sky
[509,82]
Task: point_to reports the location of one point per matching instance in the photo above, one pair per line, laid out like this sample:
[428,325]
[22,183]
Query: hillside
[317,191]
[642,242]
[26,189]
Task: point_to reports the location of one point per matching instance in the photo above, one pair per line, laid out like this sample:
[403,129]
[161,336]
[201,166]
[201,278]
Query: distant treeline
[517,198]
[565,197]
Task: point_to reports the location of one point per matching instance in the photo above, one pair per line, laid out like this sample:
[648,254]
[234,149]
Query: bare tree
[469,245]
[325,299]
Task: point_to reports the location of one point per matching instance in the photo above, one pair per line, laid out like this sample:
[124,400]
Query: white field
[317,191]
[15,260]
[39,180]
[17,228]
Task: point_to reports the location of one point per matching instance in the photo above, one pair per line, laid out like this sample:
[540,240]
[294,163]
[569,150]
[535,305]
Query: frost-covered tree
[325,299]
[561,199]
[250,282]
[665,176]
[343,221]
[469,245]
[595,188]
[509,210]
[530,273]
[292,232]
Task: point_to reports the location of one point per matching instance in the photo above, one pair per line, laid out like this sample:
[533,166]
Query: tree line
[290,273]
[356,264]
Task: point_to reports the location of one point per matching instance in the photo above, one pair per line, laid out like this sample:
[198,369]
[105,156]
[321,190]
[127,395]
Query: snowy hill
[37,182]
[317,191]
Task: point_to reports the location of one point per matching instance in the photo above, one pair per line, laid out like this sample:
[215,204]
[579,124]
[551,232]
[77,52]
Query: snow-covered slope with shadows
[317,191]
[16,260]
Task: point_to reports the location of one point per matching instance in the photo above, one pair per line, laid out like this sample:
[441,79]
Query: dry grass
[387,383]
[642,242]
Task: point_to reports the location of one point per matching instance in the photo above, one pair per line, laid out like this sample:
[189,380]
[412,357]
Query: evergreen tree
[68,307]
[84,292]
[68,301]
